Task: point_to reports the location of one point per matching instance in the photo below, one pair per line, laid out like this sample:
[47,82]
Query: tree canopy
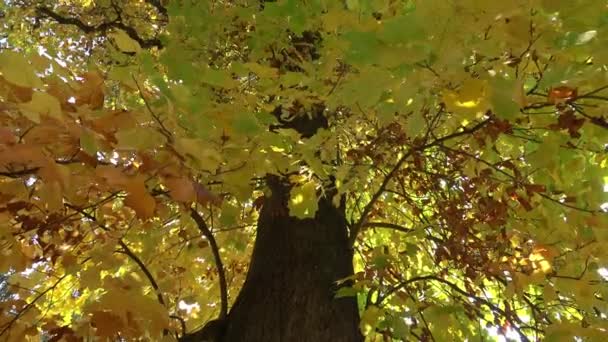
[467,141]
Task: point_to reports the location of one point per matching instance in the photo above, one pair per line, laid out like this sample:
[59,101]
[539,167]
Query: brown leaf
[181,189]
[62,92]
[16,93]
[106,324]
[568,120]
[204,196]
[113,176]
[7,136]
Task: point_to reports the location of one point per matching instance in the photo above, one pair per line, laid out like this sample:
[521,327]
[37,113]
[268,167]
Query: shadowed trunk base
[289,292]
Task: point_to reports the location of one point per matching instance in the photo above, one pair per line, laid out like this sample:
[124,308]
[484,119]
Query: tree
[246,170]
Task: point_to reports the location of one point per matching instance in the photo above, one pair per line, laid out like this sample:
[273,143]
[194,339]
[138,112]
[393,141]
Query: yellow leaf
[469,100]
[124,42]
[199,151]
[16,69]
[303,202]
[43,103]
[369,319]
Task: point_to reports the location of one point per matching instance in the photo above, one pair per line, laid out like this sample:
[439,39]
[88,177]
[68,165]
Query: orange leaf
[561,94]
[91,90]
[106,324]
[112,175]
[15,92]
[139,199]
[7,136]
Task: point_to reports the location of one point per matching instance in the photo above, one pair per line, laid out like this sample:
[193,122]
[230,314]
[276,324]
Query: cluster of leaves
[468,139]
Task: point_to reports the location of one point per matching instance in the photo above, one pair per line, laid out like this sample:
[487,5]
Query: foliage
[467,137]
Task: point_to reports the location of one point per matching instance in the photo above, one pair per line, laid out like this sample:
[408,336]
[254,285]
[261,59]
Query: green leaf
[503,104]
[400,329]
[16,69]
[363,47]
[139,138]
[246,124]
[346,291]
[402,30]
[124,42]
[230,214]
[416,125]
[88,143]
[43,104]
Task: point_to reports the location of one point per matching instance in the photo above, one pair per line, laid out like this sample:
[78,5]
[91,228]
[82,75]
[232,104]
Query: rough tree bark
[289,292]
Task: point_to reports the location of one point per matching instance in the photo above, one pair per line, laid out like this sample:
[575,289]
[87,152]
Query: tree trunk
[289,292]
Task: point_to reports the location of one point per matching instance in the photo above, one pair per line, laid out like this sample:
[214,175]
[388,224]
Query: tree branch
[127,251]
[388,225]
[493,307]
[29,305]
[202,226]
[101,28]
[367,209]
[401,285]
[20,173]
[159,7]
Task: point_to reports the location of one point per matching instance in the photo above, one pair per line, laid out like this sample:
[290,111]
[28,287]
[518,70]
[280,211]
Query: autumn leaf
[181,189]
[139,199]
[106,324]
[16,69]
[90,91]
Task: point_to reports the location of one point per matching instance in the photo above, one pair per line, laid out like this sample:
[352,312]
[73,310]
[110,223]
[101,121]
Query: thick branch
[202,226]
[159,7]
[101,28]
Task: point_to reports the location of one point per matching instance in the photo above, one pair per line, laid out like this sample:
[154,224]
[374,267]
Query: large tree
[319,170]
